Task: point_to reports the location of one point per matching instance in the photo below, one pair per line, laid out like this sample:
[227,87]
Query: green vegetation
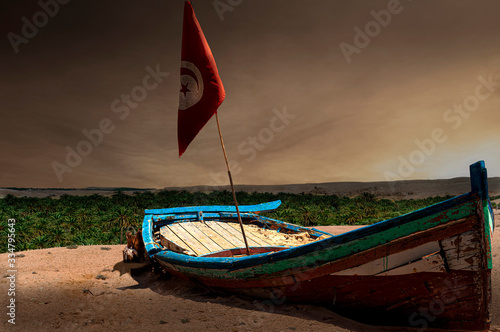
[96,219]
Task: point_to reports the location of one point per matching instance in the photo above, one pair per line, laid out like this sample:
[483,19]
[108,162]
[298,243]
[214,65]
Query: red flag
[201,91]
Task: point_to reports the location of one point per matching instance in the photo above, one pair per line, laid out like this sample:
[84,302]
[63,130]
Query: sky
[321,91]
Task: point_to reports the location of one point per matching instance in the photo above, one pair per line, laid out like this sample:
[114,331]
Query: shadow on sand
[167,285]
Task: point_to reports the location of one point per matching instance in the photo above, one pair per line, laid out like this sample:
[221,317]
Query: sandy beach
[89,288]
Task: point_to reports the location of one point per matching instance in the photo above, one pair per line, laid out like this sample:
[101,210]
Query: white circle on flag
[191,85]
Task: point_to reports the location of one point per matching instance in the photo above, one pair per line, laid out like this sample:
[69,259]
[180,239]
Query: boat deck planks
[237,233]
[255,233]
[201,236]
[198,238]
[188,238]
[249,233]
[234,239]
[216,237]
[169,237]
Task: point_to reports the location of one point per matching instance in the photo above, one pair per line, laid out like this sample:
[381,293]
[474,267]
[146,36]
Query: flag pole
[231,182]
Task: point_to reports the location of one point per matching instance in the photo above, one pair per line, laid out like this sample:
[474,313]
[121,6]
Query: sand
[89,288]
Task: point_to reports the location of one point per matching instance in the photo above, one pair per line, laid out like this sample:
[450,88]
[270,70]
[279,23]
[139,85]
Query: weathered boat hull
[429,268]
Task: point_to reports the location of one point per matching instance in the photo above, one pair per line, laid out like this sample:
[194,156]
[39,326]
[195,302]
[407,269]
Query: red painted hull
[453,300]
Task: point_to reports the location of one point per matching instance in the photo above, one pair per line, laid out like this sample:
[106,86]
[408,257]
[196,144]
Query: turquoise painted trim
[489,221]
[195,215]
[264,207]
[152,248]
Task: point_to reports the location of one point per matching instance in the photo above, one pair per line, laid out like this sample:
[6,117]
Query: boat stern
[479,185]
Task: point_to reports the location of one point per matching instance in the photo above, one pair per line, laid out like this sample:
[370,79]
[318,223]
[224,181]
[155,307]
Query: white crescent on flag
[201,91]
[191,85]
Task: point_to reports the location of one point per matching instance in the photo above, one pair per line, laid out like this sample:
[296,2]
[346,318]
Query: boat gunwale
[262,207]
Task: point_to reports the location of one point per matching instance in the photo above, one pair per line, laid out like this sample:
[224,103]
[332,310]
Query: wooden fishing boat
[428,268]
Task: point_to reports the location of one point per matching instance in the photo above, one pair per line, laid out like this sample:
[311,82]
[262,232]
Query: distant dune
[395,190]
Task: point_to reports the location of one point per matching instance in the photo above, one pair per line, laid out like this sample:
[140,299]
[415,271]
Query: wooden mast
[231,182]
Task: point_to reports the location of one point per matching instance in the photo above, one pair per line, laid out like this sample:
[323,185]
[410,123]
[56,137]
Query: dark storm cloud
[352,121]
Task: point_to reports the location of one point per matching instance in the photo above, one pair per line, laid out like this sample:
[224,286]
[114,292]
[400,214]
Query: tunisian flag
[201,90]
